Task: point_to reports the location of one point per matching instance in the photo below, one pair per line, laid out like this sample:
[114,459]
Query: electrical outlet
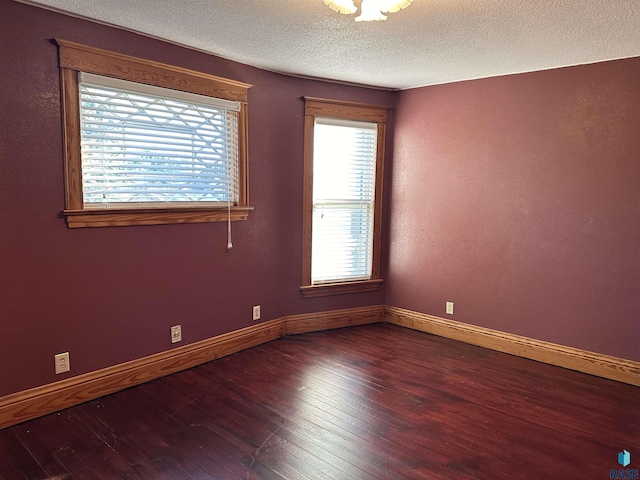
[256,313]
[449,308]
[176,333]
[62,362]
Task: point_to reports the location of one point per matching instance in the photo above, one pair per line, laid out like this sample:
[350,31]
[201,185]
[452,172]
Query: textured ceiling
[431,42]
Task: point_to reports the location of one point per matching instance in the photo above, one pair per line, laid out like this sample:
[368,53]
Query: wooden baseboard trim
[35,402]
[613,368]
[312,322]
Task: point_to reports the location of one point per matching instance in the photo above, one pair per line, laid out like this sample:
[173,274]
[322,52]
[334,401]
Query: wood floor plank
[18,462]
[166,469]
[297,427]
[42,440]
[220,445]
[318,414]
[144,434]
[340,435]
[10,462]
[374,402]
[95,467]
[250,432]
[488,387]
[547,433]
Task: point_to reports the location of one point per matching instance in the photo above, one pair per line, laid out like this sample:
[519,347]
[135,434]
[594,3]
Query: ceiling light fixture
[370,10]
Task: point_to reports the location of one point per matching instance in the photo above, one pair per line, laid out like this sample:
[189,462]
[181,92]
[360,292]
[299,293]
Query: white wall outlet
[62,362]
[256,313]
[449,308]
[176,333]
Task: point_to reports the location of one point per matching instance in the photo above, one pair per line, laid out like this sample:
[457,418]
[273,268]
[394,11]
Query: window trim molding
[320,107]
[151,216]
[74,58]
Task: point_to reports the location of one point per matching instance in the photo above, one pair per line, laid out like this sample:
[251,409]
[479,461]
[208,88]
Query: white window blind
[145,146]
[344,166]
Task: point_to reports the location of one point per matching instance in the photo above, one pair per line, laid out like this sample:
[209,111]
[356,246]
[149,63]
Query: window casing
[147,143]
[343,179]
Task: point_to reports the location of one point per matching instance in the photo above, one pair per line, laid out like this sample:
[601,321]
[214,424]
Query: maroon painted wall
[518,198]
[109,295]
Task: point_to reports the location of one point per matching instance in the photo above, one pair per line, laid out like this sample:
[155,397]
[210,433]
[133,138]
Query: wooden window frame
[75,58]
[319,107]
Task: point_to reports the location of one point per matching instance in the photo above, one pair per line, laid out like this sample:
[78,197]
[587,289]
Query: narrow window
[344,151]
[344,170]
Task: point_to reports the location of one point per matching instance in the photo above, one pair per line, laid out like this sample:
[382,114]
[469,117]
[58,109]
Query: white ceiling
[430,42]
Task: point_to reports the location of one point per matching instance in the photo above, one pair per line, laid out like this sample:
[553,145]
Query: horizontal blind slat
[141,148]
[102,83]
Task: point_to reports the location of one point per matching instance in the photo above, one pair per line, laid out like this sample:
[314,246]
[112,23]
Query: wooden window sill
[310,291]
[151,216]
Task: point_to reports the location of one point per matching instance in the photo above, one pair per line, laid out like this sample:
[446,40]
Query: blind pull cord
[229,243]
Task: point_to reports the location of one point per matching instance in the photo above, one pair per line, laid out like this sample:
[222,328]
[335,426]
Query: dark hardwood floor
[370,402]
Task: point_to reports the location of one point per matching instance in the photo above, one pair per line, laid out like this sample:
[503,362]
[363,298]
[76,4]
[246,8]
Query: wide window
[149,146]
[148,143]
[344,151]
